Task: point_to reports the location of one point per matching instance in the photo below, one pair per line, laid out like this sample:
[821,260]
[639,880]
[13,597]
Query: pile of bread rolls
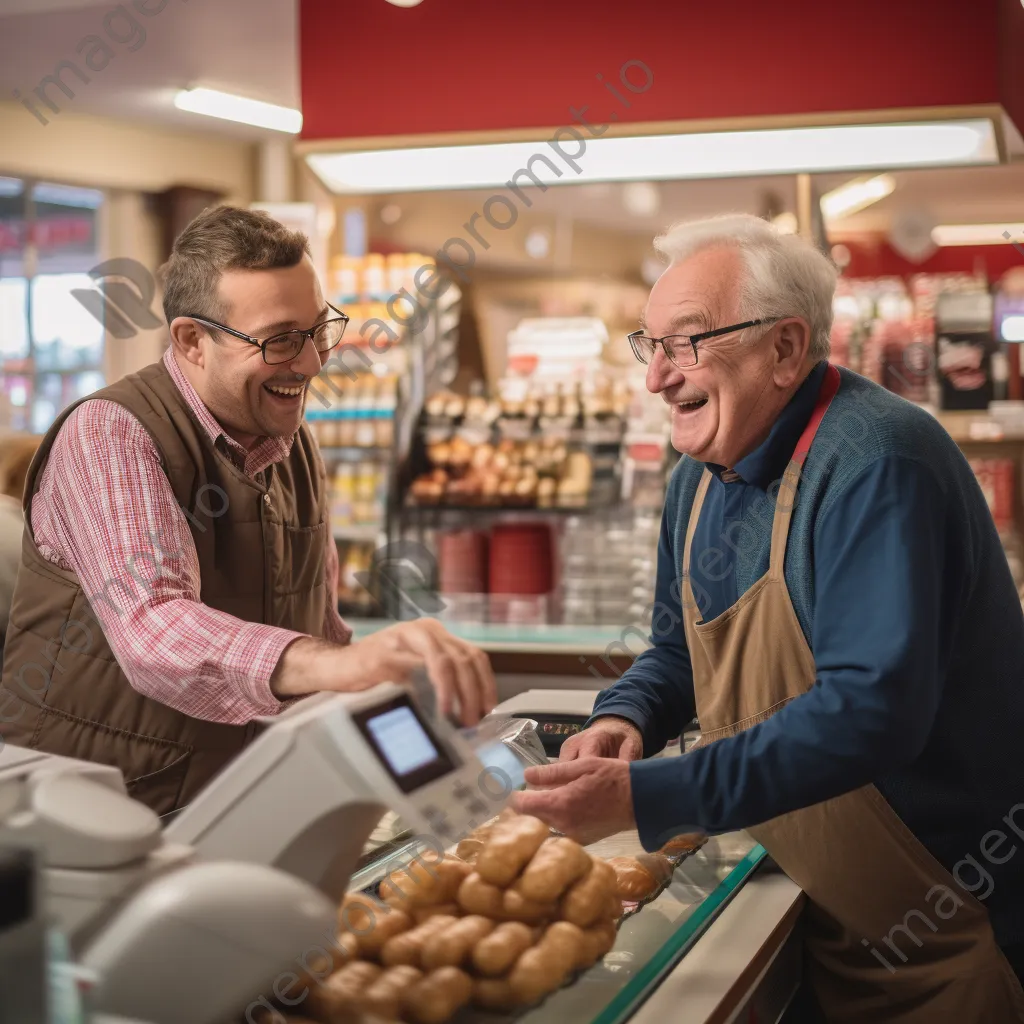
[527,473]
[503,923]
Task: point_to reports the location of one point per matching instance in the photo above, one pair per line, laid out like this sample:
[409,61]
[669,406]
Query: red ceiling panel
[372,69]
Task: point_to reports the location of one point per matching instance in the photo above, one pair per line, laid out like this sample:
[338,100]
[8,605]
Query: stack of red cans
[462,562]
[522,559]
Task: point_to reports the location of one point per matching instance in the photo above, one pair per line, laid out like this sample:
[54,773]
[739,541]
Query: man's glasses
[681,349]
[283,348]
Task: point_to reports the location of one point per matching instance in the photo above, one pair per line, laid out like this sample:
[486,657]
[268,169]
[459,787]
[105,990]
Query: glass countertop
[650,942]
[507,637]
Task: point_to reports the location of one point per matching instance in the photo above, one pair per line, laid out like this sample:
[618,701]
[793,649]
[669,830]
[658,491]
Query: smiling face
[250,399]
[723,406]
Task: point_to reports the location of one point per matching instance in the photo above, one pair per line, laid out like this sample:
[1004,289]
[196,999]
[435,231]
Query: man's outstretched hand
[609,736]
[587,798]
[458,670]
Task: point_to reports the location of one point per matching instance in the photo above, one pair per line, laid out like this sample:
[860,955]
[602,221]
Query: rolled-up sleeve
[887,576]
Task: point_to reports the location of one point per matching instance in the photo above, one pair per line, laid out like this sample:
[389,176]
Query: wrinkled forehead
[697,294]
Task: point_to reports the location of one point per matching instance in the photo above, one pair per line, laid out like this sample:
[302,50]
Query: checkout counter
[188,922]
[555,657]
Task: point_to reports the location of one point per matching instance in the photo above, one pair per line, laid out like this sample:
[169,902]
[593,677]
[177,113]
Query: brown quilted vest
[261,547]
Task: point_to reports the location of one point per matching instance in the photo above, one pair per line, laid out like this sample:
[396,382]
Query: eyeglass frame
[693,339]
[307,335]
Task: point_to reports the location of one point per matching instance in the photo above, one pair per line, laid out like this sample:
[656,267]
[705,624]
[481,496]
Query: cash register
[172,923]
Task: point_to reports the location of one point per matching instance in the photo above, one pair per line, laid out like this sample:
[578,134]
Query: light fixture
[405,3]
[1012,328]
[856,195]
[229,107]
[972,234]
[537,244]
[391,213]
[576,159]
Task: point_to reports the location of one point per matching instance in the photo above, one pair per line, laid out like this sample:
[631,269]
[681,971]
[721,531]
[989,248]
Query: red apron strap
[829,387]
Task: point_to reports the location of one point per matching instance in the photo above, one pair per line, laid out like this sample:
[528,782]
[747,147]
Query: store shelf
[563,510]
[975,427]
[348,449]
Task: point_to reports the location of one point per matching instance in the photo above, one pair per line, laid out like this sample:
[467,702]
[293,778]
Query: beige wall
[127,160]
[104,153]
[429,220]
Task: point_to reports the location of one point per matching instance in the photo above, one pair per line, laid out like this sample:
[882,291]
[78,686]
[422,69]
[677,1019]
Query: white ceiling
[250,47]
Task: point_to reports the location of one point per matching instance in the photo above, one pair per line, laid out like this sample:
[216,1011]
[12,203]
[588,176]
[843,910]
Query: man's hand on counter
[457,669]
[587,799]
[610,736]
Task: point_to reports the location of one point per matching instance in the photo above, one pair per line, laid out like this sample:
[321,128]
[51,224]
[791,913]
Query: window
[51,346]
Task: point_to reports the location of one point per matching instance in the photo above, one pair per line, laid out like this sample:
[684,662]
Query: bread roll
[421,914]
[385,929]
[469,849]
[555,866]
[595,943]
[494,994]
[452,947]
[495,954]
[634,882]
[516,907]
[546,966]
[476,896]
[340,994]
[686,843]
[436,998]
[587,900]
[384,995]
[425,884]
[408,947]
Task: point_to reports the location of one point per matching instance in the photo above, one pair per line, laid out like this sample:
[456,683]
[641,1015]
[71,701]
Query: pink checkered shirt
[106,511]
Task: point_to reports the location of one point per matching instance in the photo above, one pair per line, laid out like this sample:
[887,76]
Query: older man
[854,651]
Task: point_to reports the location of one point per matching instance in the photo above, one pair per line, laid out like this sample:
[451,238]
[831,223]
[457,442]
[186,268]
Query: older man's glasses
[285,347]
[681,349]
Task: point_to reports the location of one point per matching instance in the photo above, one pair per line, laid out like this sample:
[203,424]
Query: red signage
[449,66]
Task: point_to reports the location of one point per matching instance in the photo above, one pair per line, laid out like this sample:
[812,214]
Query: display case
[652,941]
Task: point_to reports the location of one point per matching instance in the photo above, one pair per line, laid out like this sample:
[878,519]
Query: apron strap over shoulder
[785,499]
[689,602]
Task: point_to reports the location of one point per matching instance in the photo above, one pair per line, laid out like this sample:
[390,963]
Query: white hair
[786,275]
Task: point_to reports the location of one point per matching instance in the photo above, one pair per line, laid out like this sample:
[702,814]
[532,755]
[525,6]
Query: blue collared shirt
[907,603]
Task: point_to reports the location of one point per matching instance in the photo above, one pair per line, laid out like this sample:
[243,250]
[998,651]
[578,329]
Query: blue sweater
[904,595]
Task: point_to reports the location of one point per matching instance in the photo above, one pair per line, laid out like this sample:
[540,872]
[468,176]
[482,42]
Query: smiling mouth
[287,393]
[692,405]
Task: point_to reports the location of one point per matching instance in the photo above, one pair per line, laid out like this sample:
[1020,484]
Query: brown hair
[16,454]
[223,238]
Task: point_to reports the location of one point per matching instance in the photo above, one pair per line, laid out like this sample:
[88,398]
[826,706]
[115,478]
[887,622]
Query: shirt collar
[768,460]
[254,460]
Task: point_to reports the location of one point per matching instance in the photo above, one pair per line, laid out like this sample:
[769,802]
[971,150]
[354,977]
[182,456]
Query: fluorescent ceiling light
[661,157]
[238,108]
[856,195]
[972,234]
[1012,328]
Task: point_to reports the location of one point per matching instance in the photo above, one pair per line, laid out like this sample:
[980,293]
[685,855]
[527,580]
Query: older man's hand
[609,736]
[588,798]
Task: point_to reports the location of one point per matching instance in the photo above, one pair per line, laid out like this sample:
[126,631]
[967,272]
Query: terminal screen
[404,743]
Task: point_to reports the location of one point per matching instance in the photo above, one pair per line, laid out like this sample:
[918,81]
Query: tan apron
[877,949]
